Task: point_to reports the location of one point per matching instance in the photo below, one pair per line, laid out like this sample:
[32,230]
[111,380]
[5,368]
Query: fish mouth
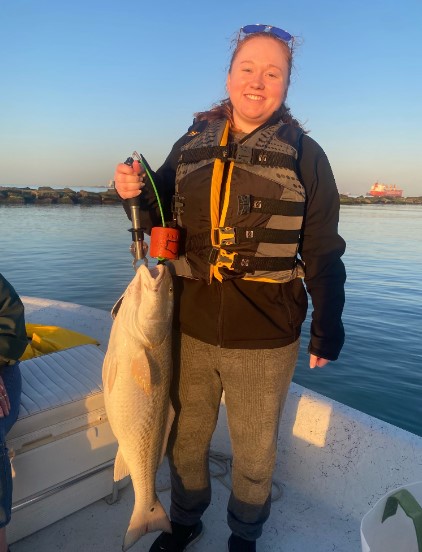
[156,274]
[157,271]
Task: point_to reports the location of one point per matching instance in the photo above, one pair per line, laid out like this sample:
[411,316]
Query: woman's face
[257,82]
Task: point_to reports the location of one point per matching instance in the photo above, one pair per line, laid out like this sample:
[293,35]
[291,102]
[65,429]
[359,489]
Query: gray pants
[255,383]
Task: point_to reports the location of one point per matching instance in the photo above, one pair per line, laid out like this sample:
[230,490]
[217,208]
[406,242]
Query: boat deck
[295,523]
[334,463]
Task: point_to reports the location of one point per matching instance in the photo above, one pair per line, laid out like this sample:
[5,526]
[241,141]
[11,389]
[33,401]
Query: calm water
[81,254]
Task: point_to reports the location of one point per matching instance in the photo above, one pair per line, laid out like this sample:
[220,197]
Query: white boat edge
[333,464]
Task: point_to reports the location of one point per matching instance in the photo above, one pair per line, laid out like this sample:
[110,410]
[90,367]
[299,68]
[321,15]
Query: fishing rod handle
[134,204]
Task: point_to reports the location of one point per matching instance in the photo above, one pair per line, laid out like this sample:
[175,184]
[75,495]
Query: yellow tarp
[47,339]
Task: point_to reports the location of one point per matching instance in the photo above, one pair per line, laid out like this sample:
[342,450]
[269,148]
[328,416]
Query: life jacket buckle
[219,257]
[243,204]
[225,235]
[244,154]
[229,152]
[177,204]
[237,152]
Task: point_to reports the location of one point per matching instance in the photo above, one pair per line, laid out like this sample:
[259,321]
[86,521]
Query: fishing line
[164,240]
[144,165]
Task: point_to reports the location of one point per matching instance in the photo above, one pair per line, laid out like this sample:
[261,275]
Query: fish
[136,375]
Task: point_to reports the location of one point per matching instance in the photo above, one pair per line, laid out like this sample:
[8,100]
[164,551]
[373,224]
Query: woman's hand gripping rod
[138,248]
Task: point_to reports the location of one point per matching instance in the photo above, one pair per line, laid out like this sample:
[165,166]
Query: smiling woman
[256,202]
[258,80]
[276,70]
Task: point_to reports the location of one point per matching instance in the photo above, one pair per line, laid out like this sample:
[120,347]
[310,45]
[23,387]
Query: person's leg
[196,394]
[256,383]
[12,381]
[3,540]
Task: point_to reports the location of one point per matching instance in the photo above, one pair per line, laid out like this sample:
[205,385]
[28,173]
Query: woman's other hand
[128,180]
[317,362]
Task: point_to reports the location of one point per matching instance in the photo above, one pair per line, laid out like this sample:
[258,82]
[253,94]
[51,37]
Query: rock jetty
[369,200]
[45,195]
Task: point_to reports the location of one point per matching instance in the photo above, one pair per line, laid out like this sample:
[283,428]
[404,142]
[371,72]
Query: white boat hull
[334,463]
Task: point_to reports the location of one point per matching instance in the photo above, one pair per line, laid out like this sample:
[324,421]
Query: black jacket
[13,338]
[254,315]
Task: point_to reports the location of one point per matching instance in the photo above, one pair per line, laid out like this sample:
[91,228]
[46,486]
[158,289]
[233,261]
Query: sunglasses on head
[275,31]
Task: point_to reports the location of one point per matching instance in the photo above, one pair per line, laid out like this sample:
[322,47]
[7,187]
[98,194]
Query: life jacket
[239,206]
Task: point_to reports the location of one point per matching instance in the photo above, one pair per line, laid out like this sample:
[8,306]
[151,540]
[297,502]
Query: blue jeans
[12,380]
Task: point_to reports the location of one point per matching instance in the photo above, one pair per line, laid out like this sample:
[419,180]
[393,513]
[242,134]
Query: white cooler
[62,446]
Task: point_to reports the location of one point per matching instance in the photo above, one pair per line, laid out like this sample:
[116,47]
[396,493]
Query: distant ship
[382,190]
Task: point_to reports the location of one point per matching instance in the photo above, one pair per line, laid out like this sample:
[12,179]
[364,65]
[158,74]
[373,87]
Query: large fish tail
[155,520]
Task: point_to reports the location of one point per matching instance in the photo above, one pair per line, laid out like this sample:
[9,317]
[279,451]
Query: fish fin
[170,419]
[109,372]
[116,307]
[140,524]
[120,467]
[141,372]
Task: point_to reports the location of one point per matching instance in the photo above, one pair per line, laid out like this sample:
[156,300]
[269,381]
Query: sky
[84,83]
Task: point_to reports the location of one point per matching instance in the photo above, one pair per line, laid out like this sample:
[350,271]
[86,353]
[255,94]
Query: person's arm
[321,250]
[13,340]
[133,181]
